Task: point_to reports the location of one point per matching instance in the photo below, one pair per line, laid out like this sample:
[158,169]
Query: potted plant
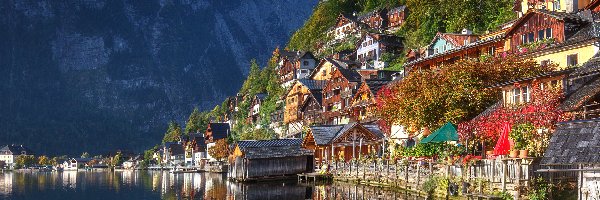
[521,135]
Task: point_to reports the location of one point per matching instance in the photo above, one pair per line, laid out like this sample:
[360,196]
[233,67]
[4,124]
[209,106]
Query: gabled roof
[592,66]
[581,95]
[317,95]
[15,150]
[574,142]
[324,135]
[276,152]
[313,84]
[541,75]
[176,149]
[376,84]
[219,130]
[554,14]
[350,75]
[451,38]
[269,143]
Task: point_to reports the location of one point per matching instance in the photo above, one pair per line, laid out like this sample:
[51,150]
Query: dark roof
[541,75]
[574,142]
[350,75]
[15,150]
[324,134]
[269,143]
[374,128]
[581,95]
[219,130]
[592,66]
[376,85]
[313,84]
[276,152]
[176,149]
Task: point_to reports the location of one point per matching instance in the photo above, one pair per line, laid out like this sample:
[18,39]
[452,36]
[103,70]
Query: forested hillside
[425,18]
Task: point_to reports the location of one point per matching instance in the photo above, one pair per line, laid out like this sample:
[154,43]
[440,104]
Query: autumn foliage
[454,92]
[542,112]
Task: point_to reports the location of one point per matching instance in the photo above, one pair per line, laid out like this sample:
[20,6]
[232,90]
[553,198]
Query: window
[541,34]
[491,51]
[516,96]
[530,37]
[556,5]
[572,60]
[523,39]
[549,33]
[525,93]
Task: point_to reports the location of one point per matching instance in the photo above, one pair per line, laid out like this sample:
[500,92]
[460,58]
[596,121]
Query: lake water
[162,185]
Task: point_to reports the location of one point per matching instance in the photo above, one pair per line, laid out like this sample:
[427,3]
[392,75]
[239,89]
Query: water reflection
[163,185]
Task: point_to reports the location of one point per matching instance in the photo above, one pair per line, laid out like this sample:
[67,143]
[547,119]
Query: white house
[371,47]
[9,154]
[74,164]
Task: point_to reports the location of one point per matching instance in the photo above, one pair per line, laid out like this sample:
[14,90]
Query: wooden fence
[488,174]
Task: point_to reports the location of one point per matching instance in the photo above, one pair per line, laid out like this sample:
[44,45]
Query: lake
[163,185]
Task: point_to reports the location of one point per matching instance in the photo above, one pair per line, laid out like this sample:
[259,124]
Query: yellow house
[324,70]
[555,5]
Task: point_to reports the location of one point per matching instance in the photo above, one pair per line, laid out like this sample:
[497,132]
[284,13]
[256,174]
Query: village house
[254,113]
[195,148]
[372,46]
[344,27]
[363,104]
[173,154]
[449,48]
[582,87]
[215,132]
[375,20]
[343,142]
[277,118]
[75,164]
[9,154]
[133,162]
[294,65]
[523,6]
[311,109]
[257,159]
[337,95]
[327,66]
[395,18]
[565,39]
[295,98]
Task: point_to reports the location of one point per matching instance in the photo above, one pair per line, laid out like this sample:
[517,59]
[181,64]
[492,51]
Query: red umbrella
[503,145]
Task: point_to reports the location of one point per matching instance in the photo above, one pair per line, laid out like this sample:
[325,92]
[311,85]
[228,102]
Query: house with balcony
[294,65]
[363,104]
[337,95]
[395,18]
[372,46]
[294,99]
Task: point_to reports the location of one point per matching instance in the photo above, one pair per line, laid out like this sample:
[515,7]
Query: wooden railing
[484,175]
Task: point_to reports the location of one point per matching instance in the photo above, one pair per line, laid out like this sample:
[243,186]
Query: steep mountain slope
[96,75]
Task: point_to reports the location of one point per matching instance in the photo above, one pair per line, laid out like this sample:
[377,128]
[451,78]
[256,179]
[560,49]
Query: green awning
[445,133]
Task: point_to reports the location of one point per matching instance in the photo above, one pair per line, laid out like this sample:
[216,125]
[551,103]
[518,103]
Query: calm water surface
[162,185]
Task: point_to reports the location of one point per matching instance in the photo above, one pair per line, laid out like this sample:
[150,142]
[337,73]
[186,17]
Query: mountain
[96,75]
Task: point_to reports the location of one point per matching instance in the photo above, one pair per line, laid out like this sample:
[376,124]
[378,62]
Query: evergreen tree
[173,133]
[195,122]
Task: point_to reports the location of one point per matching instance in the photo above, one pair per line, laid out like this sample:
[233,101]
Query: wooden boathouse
[269,159]
[331,142]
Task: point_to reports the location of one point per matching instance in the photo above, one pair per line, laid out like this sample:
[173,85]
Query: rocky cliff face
[97,74]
